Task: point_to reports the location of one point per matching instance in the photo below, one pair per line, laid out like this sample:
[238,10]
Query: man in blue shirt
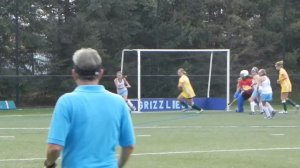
[88,123]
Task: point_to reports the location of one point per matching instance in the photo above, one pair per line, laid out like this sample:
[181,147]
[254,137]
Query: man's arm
[125,154]
[53,153]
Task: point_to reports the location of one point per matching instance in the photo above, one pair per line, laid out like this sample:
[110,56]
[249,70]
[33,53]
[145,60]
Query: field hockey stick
[125,79]
[229,104]
[234,100]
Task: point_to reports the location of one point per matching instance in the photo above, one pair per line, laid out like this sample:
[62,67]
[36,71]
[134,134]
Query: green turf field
[171,140]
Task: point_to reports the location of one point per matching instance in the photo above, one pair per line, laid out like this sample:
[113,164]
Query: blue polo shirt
[89,123]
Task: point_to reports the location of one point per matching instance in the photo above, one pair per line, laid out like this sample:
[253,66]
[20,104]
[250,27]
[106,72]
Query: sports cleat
[283,112]
[297,107]
[200,111]
[186,109]
[268,117]
[273,113]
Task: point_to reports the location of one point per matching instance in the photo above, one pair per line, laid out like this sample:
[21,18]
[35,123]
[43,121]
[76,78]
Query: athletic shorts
[255,93]
[286,87]
[247,94]
[266,97]
[186,96]
[122,92]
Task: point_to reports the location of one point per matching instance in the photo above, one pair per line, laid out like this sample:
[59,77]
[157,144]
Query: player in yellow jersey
[286,87]
[187,91]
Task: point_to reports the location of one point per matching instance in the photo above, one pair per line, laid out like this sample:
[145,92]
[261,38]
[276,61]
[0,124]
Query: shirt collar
[90,88]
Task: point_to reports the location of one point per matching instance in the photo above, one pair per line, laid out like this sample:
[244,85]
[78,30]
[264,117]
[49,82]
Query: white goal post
[211,51]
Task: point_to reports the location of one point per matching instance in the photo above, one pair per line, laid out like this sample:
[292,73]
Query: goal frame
[211,51]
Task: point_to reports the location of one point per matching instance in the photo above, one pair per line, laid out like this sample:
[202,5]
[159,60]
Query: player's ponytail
[279,63]
[182,71]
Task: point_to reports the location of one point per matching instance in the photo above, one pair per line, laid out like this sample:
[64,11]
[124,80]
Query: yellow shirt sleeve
[282,75]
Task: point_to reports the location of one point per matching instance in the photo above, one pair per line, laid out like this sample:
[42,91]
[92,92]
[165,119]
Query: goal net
[153,76]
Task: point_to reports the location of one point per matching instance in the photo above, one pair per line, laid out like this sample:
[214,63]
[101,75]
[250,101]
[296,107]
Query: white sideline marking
[7,137]
[229,126]
[29,115]
[24,128]
[179,127]
[25,159]
[174,153]
[216,151]
[277,134]
[143,135]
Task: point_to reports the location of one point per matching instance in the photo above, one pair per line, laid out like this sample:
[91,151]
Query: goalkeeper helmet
[244,73]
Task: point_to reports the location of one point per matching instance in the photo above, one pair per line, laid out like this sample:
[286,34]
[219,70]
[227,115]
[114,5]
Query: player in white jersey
[122,84]
[254,99]
[265,90]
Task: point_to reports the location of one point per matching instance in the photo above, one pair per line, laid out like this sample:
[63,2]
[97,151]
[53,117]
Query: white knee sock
[269,106]
[266,109]
[252,106]
[131,105]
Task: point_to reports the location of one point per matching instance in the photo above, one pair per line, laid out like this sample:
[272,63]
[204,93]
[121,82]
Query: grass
[168,140]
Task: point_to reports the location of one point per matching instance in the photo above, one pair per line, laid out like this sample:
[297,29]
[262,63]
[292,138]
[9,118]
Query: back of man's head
[87,63]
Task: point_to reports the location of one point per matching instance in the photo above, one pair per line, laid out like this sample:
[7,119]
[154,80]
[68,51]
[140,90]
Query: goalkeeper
[244,90]
[187,91]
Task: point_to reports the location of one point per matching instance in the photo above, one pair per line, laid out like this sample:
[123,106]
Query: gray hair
[254,69]
[87,63]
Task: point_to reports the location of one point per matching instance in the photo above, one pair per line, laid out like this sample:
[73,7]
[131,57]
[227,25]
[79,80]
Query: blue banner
[172,104]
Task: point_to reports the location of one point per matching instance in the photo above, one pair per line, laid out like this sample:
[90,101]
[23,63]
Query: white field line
[228,126]
[7,137]
[179,152]
[180,127]
[25,159]
[24,128]
[277,134]
[143,135]
[26,115]
[217,151]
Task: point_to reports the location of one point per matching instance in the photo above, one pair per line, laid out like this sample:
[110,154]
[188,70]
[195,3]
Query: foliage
[50,32]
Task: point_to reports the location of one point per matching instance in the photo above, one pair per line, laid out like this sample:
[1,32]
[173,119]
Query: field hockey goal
[152,74]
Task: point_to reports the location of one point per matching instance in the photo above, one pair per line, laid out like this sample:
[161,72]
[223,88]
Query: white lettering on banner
[161,104]
[177,105]
[146,105]
[155,105]
[167,105]
[174,104]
